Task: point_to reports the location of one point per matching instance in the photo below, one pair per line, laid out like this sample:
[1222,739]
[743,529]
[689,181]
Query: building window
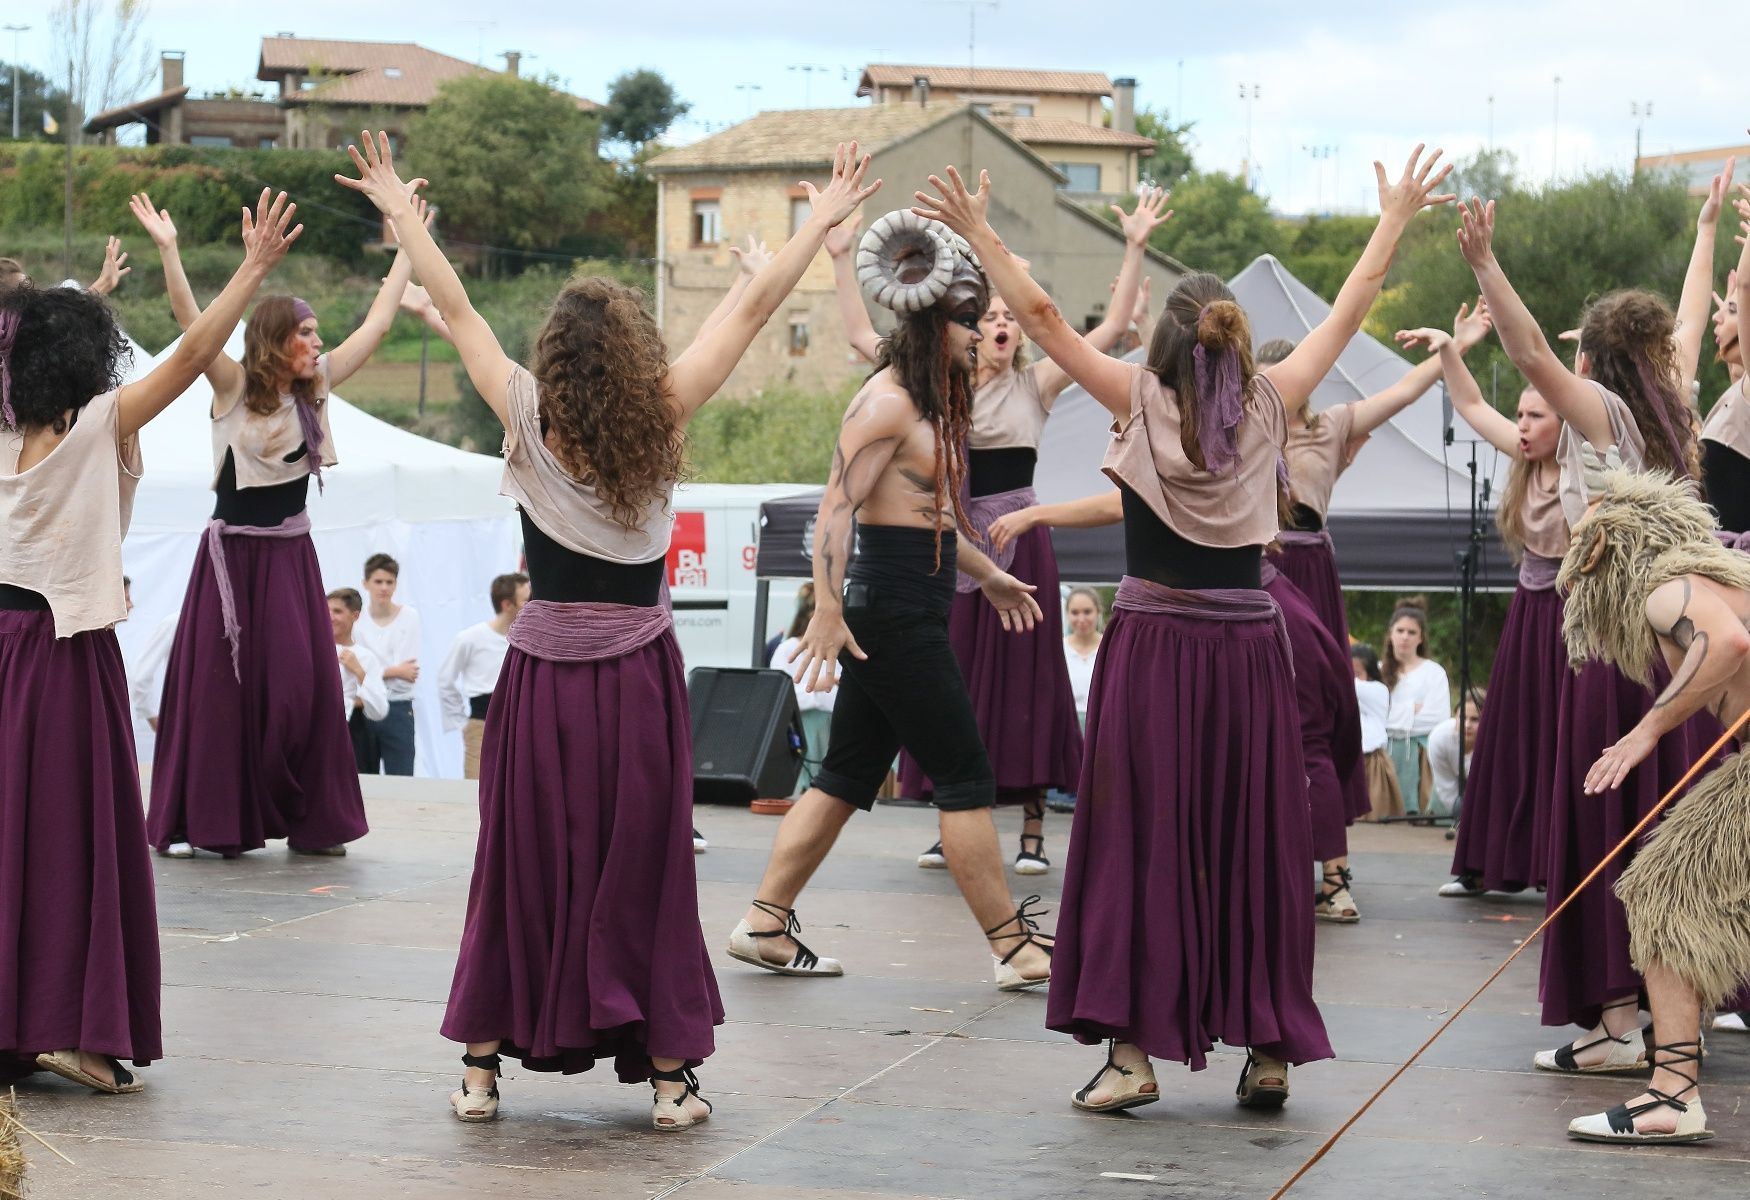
[266,143]
[1023,110]
[707,222]
[208,139]
[800,211]
[392,72]
[798,336]
[1083,177]
[982,110]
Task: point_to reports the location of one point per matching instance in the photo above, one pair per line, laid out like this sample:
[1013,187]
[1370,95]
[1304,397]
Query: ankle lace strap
[481,1062]
[805,958]
[1025,920]
[1674,1055]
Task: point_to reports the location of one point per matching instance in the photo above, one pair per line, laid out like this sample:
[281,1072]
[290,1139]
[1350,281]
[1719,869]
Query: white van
[711,573]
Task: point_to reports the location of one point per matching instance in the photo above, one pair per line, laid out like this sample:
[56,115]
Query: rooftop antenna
[480,28]
[971,7]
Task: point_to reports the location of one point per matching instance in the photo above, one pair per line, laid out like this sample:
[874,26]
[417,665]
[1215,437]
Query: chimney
[171,61]
[513,60]
[1124,105]
[920,90]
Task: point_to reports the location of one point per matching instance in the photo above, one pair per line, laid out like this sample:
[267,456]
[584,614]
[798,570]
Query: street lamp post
[15,30]
[1642,112]
[748,89]
[1555,136]
[1249,93]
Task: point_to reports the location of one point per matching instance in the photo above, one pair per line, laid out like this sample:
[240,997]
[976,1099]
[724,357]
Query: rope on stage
[1634,833]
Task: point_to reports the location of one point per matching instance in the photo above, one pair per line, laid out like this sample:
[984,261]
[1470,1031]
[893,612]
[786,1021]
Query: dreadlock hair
[918,354]
[1629,338]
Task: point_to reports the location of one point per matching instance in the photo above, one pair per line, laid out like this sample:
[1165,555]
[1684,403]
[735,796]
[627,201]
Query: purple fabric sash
[1300,537]
[586,632]
[1537,573]
[981,513]
[1733,541]
[291,527]
[1204,604]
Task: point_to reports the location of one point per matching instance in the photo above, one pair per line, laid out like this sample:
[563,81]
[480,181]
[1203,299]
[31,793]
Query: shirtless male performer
[880,624]
[1644,576]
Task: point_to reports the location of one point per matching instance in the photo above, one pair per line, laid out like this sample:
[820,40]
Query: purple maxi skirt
[1586,953]
[1330,741]
[78,920]
[1311,565]
[1019,683]
[1503,828]
[252,742]
[582,939]
[1186,918]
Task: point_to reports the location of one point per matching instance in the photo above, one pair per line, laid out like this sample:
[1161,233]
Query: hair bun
[1418,602]
[1222,326]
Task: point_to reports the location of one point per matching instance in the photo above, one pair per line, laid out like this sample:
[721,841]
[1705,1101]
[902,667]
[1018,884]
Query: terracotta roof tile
[1061,131]
[985,79]
[801,137]
[400,74]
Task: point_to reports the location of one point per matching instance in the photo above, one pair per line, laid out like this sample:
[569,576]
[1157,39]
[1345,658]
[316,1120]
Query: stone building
[172,119]
[745,180]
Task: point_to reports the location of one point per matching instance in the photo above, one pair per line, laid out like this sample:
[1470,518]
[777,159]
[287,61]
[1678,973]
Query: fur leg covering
[1687,892]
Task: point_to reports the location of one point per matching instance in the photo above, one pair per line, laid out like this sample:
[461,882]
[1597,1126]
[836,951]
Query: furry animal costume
[1687,893]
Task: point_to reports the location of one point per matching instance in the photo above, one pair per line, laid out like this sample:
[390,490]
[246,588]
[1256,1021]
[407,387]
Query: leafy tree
[1171,161]
[641,106]
[1321,251]
[511,161]
[37,94]
[1218,225]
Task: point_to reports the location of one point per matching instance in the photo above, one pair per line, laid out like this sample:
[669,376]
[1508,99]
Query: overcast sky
[1364,79]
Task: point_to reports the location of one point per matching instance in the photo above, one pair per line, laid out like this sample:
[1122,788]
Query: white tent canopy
[434,508]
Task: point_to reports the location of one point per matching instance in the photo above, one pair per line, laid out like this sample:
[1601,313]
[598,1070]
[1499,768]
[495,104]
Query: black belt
[21,599]
[477,705]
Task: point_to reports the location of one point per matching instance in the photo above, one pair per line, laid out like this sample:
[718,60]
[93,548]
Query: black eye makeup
[968,320]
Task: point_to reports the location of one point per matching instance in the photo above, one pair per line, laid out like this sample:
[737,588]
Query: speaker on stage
[747,734]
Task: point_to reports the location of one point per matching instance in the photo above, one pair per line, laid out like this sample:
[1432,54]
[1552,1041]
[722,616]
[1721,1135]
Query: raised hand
[1414,189]
[753,258]
[155,221]
[114,267]
[1470,326]
[960,210]
[1476,232]
[1150,214]
[846,192]
[415,300]
[1433,340]
[1139,312]
[377,178]
[266,238]
[841,239]
[1716,196]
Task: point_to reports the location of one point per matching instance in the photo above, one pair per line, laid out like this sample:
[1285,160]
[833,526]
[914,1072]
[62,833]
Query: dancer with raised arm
[1168,942]
[1019,685]
[1503,836]
[79,970]
[880,624]
[1624,391]
[582,939]
[1647,581]
[252,742]
[1725,436]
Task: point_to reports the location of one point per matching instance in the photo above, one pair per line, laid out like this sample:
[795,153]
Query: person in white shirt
[1443,754]
[1084,615]
[470,670]
[391,632]
[361,672]
[1374,700]
[815,707]
[146,683]
[1421,698]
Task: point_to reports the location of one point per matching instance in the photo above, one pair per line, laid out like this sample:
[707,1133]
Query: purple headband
[301,311]
[8,335]
[1219,405]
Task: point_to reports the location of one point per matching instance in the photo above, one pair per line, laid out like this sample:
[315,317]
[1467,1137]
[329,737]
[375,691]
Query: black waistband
[21,599]
[563,576]
[989,472]
[1305,519]
[1726,475]
[477,705]
[896,565]
[261,507]
[1154,552]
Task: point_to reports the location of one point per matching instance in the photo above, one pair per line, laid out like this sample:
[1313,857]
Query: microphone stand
[1469,562]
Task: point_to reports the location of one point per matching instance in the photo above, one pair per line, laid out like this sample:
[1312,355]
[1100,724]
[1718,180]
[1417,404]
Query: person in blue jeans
[390,631]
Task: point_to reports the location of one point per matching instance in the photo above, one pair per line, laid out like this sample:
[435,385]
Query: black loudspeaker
[747,734]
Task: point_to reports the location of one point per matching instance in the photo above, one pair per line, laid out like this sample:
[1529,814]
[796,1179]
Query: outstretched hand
[753,258]
[114,267]
[1414,189]
[1151,213]
[1616,762]
[1013,601]
[1476,232]
[842,197]
[1716,196]
[1434,340]
[377,178]
[1471,326]
[155,221]
[960,210]
[841,239]
[266,238]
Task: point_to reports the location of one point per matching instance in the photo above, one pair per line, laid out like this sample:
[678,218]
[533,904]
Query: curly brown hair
[1629,338]
[267,359]
[601,367]
[919,356]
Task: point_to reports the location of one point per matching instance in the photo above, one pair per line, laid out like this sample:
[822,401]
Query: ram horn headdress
[907,263]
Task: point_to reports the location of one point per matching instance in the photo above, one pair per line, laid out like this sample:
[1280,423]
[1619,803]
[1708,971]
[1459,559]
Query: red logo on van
[686,551]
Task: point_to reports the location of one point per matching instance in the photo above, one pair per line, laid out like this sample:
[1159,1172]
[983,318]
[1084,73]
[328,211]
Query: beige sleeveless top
[564,508]
[1009,412]
[62,521]
[1728,421]
[1629,444]
[1546,527]
[1235,508]
[261,443]
[1315,456]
